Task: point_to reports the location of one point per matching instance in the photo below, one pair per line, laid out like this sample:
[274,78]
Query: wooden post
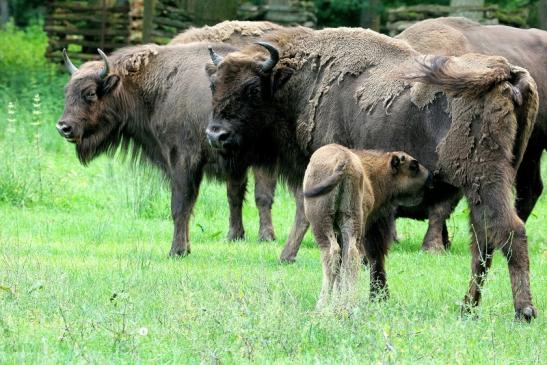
[147,20]
[4,12]
[473,15]
[542,14]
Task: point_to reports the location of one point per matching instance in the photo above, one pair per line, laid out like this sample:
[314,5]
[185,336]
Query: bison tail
[327,184]
[471,74]
[526,100]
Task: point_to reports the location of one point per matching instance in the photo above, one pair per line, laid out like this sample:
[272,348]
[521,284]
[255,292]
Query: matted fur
[235,32]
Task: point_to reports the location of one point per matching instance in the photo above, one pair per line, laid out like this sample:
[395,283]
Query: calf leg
[185,183]
[236,187]
[481,259]
[351,258]
[264,196]
[298,230]
[377,239]
[330,260]
[528,180]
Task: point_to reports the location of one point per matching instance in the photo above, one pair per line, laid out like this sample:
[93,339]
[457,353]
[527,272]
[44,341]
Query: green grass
[84,273]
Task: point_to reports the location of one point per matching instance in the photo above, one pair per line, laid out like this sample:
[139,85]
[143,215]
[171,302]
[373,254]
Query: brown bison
[155,99]
[469,118]
[97,121]
[523,47]
[345,192]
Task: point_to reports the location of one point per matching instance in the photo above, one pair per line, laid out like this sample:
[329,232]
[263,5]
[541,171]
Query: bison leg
[298,230]
[377,240]
[436,238]
[330,260]
[481,259]
[236,187]
[528,181]
[497,225]
[264,196]
[184,192]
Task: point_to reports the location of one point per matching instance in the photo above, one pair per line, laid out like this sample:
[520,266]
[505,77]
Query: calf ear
[395,163]
[281,76]
[109,83]
[210,69]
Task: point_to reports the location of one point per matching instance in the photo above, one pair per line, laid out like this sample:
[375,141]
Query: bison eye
[90,96]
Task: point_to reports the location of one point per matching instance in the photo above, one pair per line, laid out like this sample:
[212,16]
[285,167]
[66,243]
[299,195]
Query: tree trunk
[473,15]
[370,14]
[542,14]
[4,12]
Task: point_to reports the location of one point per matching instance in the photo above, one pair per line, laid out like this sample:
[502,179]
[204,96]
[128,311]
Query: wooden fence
[84,26]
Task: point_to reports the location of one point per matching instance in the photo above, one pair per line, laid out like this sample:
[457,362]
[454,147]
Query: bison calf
[346,192]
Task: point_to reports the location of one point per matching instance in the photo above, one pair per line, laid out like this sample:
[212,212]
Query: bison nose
[217,136]
[65,129]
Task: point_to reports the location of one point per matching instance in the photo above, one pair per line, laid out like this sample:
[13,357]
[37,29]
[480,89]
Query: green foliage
[26,12]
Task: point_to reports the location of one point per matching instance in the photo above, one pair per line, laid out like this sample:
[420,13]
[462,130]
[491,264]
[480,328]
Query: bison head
[88,119]
[243,87]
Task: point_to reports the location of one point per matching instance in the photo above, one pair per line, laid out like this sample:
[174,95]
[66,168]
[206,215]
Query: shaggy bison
[469,118]
[131,100]
[346,192]
[523,47]
[147,98]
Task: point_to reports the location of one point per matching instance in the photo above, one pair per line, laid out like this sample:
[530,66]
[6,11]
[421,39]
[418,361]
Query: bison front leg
[376,241]
[236,187]
[298,230]
[184,192]
[436,238]
[495,224]
[265,183]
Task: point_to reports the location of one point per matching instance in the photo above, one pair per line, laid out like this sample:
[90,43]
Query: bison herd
[324,110]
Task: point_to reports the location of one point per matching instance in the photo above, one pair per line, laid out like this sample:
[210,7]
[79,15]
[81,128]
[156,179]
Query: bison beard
[343,90]
[523,47]
[153,103]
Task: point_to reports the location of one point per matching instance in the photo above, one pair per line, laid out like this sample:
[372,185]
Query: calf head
[89,118]
[409,179]
[243,87]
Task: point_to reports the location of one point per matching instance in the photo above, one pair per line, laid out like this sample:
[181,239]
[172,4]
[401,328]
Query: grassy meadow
[85,277]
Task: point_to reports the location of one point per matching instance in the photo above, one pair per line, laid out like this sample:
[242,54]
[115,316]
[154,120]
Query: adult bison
[96,121]
[523,47]
[156,99]
[470,120]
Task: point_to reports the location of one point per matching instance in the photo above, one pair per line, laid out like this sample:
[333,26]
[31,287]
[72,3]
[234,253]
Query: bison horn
[215,57]
[106,68]
[270,63]
[69,65]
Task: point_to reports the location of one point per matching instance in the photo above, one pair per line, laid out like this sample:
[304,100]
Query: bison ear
[109,83]
[281,76]
[395,163]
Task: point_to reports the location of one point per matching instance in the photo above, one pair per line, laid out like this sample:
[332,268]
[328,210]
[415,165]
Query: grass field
[85,277]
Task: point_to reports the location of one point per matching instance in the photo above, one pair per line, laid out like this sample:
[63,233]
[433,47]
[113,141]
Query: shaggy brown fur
[526,48]
[234,32]
[156,99]
[341,86]
[345,192]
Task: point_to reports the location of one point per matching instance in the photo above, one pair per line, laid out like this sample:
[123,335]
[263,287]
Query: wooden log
[85,7]
[74,30]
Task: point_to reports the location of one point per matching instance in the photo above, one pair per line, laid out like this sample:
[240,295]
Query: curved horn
[215,57]
[69,65]
[106,69]
[270,63]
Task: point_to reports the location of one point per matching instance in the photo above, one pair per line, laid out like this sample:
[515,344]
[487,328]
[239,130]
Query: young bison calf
[346,195]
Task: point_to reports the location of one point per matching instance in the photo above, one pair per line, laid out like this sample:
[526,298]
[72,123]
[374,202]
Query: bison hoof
[527,313]
[266,235]
[287,259]
[236,235]
[179,252]
[433,246]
